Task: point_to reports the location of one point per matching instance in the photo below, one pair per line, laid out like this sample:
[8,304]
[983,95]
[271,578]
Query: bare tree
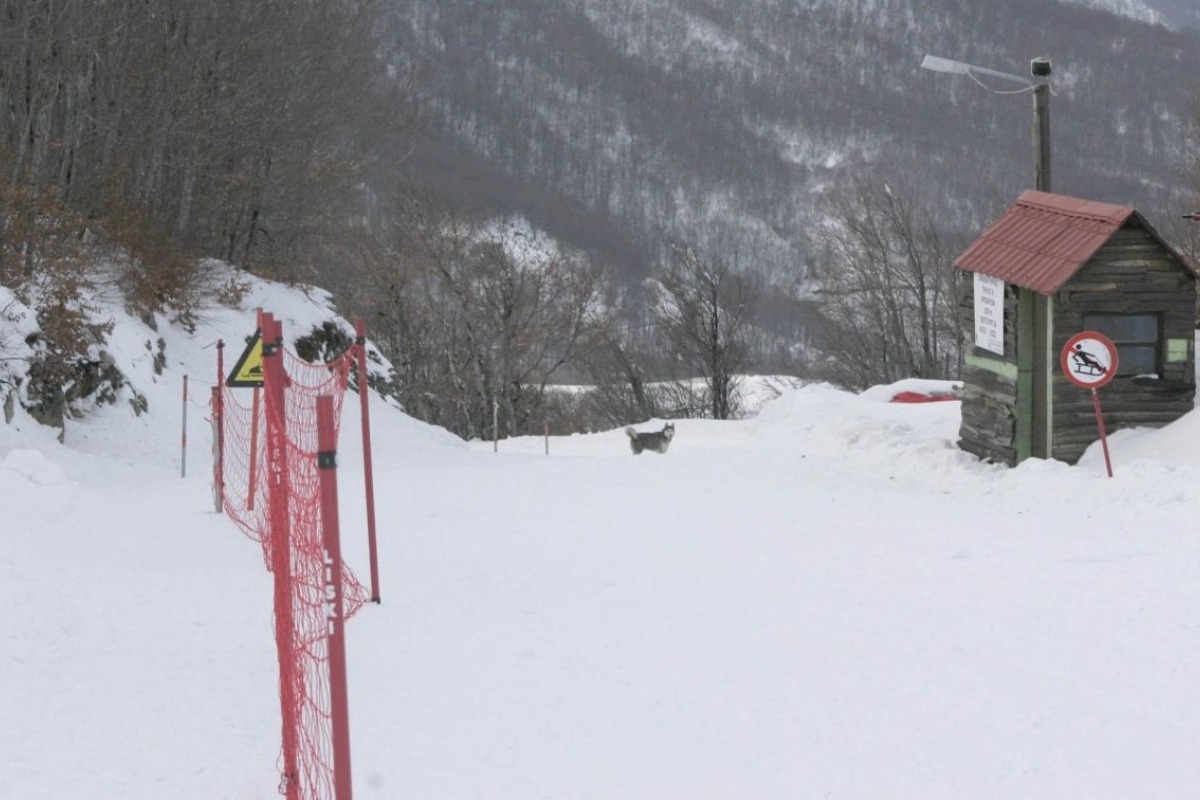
[703,311]
[887,296]
[615,367]
[526,316]
[244,130]
[474,320]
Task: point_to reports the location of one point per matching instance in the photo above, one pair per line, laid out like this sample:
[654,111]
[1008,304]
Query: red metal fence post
[252,467]
[360,328]
[219,430]
[218,479]
[275,401]
[1103,433]
[339,711]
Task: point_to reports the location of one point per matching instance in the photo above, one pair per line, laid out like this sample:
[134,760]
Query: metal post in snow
[274,382]
[360,329]
[183,440]
[252,467]
[1103,433]
[1032,413]
[495,426]
[1041,136]
[219,430]
[220,362]
[1089,360]
[339,711]
[217,483]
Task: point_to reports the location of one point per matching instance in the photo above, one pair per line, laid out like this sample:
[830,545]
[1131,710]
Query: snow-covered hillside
[1134,9]
[829,600]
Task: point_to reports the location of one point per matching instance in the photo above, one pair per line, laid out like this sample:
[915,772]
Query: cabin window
[1136,337]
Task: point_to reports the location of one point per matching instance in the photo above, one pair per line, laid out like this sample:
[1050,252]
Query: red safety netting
[270,485]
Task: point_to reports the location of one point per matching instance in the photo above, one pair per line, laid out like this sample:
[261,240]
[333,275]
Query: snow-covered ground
[826,601]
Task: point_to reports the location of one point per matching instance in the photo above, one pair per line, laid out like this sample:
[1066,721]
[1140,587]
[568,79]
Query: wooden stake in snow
[183,441]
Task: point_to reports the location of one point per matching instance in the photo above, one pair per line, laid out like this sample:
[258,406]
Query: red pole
[1103,435]
[219,425]
[339,704]
[281,552]
[215,405]
[252,467]
[255,407]
[360,328]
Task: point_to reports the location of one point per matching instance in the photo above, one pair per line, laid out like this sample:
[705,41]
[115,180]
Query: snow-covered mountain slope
[620,125]
[1133,9]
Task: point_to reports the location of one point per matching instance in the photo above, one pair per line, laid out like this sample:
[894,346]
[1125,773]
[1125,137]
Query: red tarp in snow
[921,397]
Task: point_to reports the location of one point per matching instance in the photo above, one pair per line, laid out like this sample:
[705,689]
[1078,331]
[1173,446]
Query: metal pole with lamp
[1035,311]
[1038,68]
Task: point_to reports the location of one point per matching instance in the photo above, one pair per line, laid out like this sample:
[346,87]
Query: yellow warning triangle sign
[248,371]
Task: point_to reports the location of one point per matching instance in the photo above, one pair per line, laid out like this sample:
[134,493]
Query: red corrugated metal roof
[1043,239]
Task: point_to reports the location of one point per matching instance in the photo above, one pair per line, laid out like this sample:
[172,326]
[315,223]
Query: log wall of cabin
[1131,274]
[989,394]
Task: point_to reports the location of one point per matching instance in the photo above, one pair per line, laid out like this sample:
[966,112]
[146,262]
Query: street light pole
[1041,136]
[1039,68]
[1035,311]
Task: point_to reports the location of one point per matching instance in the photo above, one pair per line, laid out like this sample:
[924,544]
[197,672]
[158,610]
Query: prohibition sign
[1089,360]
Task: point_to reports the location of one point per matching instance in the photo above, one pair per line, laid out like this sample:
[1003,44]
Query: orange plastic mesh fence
[244,431]
[246,465]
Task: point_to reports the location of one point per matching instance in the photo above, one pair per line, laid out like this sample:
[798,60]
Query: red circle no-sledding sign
[1089,359]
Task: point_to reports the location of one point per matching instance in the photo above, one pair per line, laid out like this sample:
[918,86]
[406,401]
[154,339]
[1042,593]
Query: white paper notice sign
[989,313]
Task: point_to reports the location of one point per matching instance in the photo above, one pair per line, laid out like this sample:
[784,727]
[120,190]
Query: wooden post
[1042,386]
[183,435]
[1041,136]
[1026,344]
[1041,330]
[360,329]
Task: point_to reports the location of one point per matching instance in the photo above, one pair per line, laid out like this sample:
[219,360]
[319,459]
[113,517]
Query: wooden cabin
[1050,267]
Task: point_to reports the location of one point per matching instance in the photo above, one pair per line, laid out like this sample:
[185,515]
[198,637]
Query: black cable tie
[327,459]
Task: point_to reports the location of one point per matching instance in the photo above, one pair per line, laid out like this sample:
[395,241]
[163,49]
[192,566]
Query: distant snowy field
[829,600]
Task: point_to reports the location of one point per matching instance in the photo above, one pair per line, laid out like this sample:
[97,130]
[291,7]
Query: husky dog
[658,441]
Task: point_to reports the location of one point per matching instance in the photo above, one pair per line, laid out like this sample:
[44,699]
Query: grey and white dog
[656,441]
